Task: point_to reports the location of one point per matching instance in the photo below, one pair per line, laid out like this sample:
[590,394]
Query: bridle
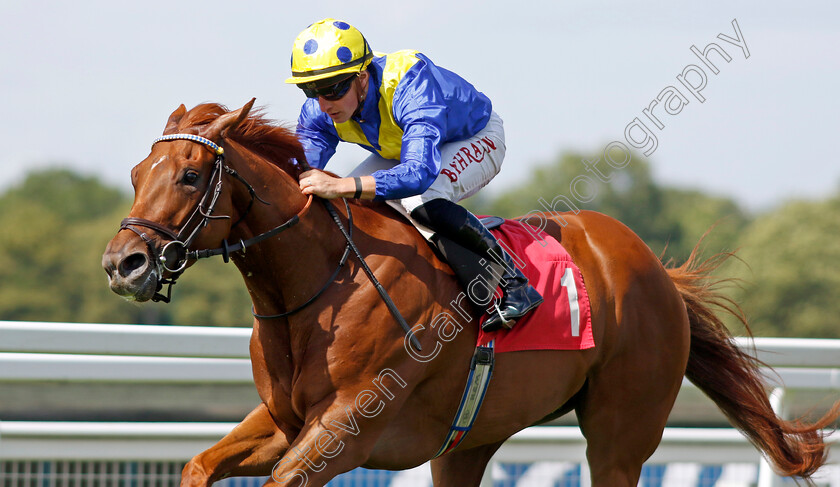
[175,254]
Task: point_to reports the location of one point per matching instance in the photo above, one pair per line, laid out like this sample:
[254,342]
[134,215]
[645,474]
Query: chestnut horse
[339,386]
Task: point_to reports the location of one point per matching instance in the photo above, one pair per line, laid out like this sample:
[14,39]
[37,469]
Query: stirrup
[503,323]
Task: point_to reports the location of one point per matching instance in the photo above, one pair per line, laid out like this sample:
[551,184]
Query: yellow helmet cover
[326,49]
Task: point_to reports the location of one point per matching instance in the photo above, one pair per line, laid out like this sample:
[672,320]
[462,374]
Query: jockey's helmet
[328,52]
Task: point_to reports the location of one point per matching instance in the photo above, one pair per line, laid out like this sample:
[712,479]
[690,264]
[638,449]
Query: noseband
[173,257]
[175,254]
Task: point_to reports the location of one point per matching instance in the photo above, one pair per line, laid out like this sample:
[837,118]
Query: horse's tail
[732,379]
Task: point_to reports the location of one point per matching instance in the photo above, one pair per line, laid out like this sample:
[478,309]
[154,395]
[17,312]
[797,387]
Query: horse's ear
[172,123]
[229,120]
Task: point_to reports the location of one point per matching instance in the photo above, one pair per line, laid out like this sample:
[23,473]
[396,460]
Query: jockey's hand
[321,184]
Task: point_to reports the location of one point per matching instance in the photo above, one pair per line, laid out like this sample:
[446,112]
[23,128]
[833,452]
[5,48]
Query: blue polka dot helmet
[327,52]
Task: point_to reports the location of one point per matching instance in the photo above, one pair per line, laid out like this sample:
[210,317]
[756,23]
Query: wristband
[358,193]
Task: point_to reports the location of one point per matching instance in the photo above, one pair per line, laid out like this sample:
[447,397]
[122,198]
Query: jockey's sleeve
[420,108]
[319,139]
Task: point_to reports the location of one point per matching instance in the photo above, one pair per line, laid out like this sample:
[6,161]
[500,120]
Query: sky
[90,84]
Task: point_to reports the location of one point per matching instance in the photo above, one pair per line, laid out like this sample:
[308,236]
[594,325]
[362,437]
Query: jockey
[434,141]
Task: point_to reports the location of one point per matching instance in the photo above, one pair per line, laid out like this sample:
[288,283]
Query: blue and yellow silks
[411,109]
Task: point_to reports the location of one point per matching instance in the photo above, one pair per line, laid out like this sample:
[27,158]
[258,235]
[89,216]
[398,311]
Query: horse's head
[179,202]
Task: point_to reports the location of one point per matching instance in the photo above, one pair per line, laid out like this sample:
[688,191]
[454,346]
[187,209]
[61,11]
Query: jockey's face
[342,109]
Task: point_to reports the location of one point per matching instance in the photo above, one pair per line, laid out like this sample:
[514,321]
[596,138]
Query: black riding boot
[458,224]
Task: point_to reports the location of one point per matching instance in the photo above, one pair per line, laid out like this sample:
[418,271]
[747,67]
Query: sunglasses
[332,92]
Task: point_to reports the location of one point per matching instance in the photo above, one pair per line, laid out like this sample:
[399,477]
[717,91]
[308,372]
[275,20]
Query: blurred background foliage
[56,223]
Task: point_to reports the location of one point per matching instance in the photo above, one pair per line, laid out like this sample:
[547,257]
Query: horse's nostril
[132,263]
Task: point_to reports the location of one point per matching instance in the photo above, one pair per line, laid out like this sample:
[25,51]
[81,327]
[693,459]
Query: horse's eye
[190,177]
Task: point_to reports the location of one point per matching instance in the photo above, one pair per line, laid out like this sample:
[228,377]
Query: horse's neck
[277,270]
[285,271]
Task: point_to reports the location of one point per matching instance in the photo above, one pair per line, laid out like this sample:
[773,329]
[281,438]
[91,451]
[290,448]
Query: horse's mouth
[139,289]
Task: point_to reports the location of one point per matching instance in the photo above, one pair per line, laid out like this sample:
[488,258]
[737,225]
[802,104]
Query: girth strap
[481,369]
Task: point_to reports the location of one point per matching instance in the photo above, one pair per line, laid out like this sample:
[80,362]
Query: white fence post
[766,476]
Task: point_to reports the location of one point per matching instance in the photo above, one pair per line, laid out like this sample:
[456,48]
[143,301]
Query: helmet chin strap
[362,95]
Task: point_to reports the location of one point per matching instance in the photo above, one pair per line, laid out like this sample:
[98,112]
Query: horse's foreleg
[252,448]
[463,468]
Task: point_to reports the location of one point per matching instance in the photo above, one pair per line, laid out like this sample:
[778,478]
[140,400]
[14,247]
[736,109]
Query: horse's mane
[275,142]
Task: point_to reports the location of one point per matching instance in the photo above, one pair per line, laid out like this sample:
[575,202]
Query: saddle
[466,264]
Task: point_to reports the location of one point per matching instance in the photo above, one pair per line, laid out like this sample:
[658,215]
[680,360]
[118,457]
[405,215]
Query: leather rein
[175,254]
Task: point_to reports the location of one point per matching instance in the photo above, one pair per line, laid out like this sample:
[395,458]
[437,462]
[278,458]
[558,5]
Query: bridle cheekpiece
[180,246]
[175,254]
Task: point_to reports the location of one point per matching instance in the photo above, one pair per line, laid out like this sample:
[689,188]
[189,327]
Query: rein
[174,256]
[177,253]
[389,303]
[329,281]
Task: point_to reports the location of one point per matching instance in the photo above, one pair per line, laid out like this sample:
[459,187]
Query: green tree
[211,293]
[695,215]
[56,225]
[46,219]
[791,282]
[68,195]
[668,220]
